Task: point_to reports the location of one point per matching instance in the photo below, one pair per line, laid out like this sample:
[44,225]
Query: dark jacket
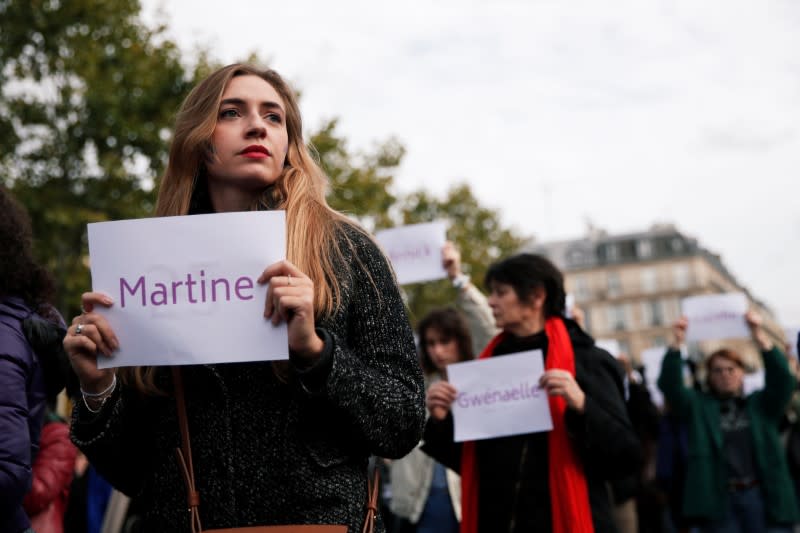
[706,488]
[268,450]
[23,401]
[603,436]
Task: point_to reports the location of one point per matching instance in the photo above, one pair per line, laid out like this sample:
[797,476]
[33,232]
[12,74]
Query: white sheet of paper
[569,304]
[610,345]
[652,359]
[185,290]
[791,338]
[715,316]
[499,396]
[415,251]
[753,382]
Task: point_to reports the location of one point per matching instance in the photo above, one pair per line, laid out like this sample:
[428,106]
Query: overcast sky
[623,113]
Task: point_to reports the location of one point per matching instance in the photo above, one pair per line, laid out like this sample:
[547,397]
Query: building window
[649,280]
[659,341]
[644,249]
[616,318]
[612,253]
[677,244]
[656,313]
[680,274]
[581,287]
[576,258]
[614,284]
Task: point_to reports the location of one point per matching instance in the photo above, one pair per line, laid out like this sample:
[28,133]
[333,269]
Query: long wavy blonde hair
[314,236]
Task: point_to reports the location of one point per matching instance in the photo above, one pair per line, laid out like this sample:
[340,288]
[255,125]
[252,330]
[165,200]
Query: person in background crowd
[737,479]
[275,443]
[32,363]
[469,299]
[551,481]
[53,468]
[635,508]
[426,495]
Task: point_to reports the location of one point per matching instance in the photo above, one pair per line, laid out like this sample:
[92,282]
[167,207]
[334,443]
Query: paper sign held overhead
[715,316]
[415,251]
[185,290]
[499,396]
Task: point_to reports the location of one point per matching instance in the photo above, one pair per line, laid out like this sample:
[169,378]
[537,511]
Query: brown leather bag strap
[373,489]
[184,453]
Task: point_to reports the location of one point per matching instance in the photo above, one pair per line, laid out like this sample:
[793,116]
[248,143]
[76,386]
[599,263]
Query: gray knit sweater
[271,451]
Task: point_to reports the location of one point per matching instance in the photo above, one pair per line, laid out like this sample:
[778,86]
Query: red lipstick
[255,151]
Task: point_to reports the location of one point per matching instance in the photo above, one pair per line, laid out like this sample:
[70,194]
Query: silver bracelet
[108,390]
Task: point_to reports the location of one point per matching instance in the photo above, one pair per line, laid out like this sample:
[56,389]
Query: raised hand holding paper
[499,396]
[415,251]
[715,316]
[185,290]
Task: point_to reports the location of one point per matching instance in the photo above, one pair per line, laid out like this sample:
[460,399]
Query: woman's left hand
[290,298]
[562,383]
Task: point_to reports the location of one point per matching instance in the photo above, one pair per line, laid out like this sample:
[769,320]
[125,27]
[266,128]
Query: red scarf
[569,494]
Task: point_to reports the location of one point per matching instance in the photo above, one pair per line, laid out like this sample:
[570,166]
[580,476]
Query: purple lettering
[123,284]
[175,285]
[214,283]
[189,283]
[160,291]
[243,283]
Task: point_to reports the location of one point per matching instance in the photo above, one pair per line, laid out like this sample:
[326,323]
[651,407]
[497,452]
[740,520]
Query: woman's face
[442,351]
[726,378]
[250,139]
[510,313]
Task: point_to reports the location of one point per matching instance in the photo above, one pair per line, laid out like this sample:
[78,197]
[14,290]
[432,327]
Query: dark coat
[603,435]
[269,450]
[23,401]
[706,488]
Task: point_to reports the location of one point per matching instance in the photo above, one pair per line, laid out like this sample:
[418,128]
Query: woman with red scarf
[553,481]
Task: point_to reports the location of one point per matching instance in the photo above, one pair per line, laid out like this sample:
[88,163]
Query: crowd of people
[290,443]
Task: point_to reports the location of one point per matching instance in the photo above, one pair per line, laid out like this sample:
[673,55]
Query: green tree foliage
[88,95]
[360,183]
[477,231]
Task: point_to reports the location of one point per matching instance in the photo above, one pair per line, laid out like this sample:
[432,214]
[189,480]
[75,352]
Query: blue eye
[228,113]
[274,117]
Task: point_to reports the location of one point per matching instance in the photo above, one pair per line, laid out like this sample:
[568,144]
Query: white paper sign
[415,251]
[185,290]
[791,338]
[569,305]
[715,316]
[652,358]
[753,382]
[499,396]
[610,345]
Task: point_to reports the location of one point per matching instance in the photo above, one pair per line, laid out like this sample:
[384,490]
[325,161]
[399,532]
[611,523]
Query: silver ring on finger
[78,329]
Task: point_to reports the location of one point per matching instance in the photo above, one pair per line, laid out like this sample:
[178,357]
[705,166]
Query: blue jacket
[23,400]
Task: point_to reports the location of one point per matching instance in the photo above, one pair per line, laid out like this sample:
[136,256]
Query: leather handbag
[184,454]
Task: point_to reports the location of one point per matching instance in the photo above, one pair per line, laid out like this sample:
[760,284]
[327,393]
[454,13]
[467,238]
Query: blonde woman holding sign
[274,443]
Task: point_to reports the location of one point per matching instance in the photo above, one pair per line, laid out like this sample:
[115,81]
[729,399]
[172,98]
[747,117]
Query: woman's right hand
[89,337]
[451,260]
[441,396]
